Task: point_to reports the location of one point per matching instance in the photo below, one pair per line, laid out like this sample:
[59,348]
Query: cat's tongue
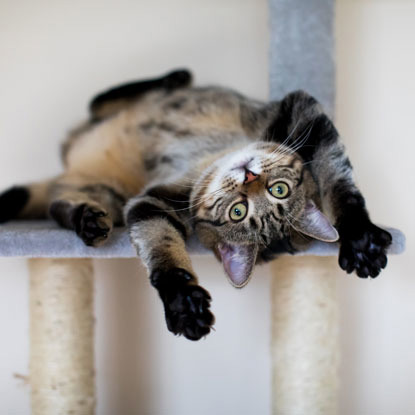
[238,261]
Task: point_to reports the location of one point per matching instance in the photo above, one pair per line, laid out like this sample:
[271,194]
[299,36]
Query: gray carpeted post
[302,49]
[305,350]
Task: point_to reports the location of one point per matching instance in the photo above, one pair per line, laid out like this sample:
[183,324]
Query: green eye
[238,211]
[279,190]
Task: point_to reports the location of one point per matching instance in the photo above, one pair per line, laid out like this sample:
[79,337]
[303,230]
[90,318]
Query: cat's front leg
[363,245]
[301,124]
[158,233]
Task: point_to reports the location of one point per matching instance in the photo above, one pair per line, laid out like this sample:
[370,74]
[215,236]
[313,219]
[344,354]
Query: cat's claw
[186,305]
[92,224]
[363,250]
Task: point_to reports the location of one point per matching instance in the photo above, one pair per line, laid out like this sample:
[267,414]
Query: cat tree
[305,350]
[304,329]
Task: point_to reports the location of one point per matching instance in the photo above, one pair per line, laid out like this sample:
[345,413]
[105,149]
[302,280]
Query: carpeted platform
[45,239]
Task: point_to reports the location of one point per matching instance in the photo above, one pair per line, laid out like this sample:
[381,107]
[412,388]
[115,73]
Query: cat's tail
[29,201]
[111,101]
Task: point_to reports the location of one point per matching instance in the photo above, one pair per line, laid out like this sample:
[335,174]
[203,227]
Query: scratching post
[61,336]
[304,335]
[304,344]
[304,311]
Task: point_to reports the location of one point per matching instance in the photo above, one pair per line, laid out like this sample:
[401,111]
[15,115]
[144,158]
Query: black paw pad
[12,201]
[186,305]
[364,250]
[92,225]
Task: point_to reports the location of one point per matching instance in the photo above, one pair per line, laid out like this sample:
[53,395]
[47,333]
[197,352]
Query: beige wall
[54,56]
[375,111]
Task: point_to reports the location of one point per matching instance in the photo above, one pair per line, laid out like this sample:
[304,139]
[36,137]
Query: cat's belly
[111,152]
[136,147]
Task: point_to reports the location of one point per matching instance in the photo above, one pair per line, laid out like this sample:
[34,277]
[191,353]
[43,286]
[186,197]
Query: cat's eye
[279,190]
[238,211]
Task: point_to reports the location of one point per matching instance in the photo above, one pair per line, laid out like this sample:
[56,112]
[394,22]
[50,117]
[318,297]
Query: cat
[251,179]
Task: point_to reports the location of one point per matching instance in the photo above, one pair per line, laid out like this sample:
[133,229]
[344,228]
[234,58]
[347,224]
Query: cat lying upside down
[250,178]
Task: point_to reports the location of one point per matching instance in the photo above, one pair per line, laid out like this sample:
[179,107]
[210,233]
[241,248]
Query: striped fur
[169,160]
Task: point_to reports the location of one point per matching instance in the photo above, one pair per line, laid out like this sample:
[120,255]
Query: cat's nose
[249,176]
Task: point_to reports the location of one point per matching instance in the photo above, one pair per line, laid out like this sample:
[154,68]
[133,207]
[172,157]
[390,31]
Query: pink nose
[249,177]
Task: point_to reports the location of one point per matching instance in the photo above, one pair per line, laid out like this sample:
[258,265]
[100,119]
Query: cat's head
[249,202]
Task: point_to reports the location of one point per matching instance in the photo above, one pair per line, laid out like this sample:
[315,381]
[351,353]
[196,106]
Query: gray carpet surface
[45,239]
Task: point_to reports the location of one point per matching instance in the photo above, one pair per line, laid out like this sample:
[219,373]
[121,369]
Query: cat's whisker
[191,186]
[312,161]
[198,201]
[260,239]
[285,142]
[297,143]
[287,214]
[207,195]
[198,181]
[292,150]
[288,137]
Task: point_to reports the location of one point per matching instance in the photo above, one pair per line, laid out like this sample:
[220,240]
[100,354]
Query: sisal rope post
[61,336]
[304,335]
[305,349]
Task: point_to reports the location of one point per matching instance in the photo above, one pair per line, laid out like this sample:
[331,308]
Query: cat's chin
[238,262]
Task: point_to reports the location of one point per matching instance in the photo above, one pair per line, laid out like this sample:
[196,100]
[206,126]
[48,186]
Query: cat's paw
[363,249]
[92,224]
[186,305]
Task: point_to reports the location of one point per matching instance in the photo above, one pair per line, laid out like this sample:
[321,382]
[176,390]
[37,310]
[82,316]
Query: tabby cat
[250,179]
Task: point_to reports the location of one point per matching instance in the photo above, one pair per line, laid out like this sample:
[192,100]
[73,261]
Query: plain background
[55,55]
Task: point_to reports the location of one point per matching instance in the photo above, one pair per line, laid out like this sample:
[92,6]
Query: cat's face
[249,201]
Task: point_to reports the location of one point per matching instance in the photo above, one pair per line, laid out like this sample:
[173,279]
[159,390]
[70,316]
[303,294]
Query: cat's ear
[238,262]
[313,223]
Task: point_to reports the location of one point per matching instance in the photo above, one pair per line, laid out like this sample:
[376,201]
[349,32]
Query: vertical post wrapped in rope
[61,336]
[304,335]
[305,349]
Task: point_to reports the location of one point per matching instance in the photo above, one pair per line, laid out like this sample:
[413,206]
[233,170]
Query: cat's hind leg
[90,209]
